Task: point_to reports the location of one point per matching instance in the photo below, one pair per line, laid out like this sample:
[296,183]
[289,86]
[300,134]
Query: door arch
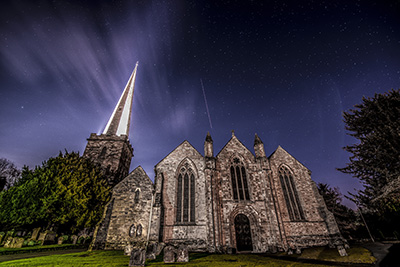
[243,233]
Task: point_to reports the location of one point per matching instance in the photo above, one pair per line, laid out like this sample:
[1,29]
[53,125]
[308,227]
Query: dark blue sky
[284,70]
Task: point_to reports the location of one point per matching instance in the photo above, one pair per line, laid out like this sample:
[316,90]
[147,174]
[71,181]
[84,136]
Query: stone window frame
[186,174]
[237,163]
[136,198]
[290,194]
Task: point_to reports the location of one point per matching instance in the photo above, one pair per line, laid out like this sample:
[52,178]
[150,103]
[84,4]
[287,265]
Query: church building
[236,200]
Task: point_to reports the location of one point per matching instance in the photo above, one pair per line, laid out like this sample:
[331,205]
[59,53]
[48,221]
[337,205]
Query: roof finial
[257,140]
[233,133]
[208,137]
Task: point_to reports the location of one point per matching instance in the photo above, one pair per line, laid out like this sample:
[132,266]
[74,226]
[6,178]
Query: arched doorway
[243,233]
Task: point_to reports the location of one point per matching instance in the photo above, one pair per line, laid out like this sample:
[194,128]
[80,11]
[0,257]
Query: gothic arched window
[137,196]
[139,230]
[132,230]
[239,181]
[290,194]
[185,201]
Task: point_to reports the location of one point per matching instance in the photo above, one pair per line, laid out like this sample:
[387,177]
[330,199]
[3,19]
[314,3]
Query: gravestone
[298,251]
[50,238]
[17,242]
[182,254]
[60,240]
[74,239]
[42,237]
[35,233]
[342,251]
[9,241]
[169,254]
[138,257]
[128,250]
[151,251]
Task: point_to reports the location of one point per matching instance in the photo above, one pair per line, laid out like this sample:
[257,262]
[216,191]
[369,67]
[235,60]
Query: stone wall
[194,235]
[319,225]
[131,207]
[113,153]
[259,209]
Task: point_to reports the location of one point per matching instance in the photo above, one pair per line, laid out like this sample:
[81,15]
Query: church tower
[112,149]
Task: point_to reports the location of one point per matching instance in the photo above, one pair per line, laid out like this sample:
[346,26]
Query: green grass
[7,251]
[355,255]
[241,260]
[116,258]
[93,258]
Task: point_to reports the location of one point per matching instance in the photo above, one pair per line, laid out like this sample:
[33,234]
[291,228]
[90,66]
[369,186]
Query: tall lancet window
[290,194]
[185,200]
[240,186]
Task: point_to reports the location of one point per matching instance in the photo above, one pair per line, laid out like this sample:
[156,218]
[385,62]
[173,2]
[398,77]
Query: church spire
[119,122]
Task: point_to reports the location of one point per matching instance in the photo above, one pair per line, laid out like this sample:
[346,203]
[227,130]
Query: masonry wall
[194,235]
[313,231]
[113,153]
[129,211]
[259,209]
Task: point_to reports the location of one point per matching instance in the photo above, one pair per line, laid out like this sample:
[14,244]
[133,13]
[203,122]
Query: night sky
[283,70]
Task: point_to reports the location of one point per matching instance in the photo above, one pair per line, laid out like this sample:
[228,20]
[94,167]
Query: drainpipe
[151,214]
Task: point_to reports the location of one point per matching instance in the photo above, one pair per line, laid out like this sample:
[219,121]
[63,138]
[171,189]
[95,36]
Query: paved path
[38,254]
[379,250]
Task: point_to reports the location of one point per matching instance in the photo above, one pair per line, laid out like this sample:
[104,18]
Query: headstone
[42,236]
[169,254]
[50,238]
[138,257]
[74,239]
[298,251]
[274,249]
[18,233]
[128,250]
[151,251]
[342,251]
[182,254]
[17,242]
[35,233]
[9,241]
[60,240]
[290,252]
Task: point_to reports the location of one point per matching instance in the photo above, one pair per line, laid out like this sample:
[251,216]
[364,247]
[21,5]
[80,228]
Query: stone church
[232,201]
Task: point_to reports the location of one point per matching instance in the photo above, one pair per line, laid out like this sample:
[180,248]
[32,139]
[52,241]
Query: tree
[67,191]
[375,159]
[9,174]
[345,217]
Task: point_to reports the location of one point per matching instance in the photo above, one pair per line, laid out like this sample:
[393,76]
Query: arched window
[239,181]
[290,194]
[137,195]
[185,201]
[139,230]
[132,230]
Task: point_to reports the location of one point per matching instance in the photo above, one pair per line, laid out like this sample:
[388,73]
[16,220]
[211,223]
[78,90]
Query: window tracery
[185,212]
[290,194]
[240,186]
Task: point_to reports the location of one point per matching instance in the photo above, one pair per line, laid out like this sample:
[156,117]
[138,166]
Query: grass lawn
[355,255]
[6,251]
[116,258]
